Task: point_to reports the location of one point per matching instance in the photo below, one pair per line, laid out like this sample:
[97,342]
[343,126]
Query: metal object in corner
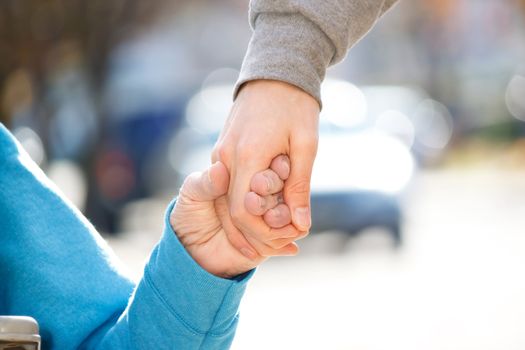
[19,333]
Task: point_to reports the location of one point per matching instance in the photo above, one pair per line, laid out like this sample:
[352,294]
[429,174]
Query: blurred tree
[38,36]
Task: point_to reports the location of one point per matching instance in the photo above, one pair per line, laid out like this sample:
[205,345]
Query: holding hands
[254,201]
[202,220]
[269,118]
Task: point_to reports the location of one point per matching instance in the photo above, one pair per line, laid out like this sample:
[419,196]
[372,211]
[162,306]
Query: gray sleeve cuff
[289,48]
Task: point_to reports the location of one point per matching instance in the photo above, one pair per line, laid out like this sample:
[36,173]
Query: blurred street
[456,283]
[421,159]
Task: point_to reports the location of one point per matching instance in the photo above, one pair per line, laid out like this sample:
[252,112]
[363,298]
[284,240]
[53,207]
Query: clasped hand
[202,221]
[254,202]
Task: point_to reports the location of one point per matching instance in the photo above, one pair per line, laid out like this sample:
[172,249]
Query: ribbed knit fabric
[296,40]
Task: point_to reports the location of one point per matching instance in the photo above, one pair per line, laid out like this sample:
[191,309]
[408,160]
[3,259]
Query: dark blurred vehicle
[364,160]
[144,98]
[123,162]
[352,212]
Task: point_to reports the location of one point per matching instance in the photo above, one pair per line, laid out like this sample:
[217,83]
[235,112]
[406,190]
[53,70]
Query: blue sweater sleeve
[56,268]
[177,304]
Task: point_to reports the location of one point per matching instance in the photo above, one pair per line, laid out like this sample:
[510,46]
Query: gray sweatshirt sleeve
[296,40]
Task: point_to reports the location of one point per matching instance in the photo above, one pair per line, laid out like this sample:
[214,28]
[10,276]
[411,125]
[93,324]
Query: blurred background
[418,188]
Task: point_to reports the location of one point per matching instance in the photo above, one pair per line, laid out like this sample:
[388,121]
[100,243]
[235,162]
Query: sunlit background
[418,191]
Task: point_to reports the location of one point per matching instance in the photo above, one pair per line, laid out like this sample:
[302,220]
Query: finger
[207,185]
[282,247]
[290,250]
[255,231]
[266,182]
[261,242]
[258,205]
[283,242]
[235,237]
[297,188]
[255,249]
[281,165]
[278,217]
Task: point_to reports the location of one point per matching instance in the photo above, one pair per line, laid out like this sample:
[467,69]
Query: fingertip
[259,184]
[281,165]
[278,217]
[219,177]
[254,203]
[302,219]
[292,249]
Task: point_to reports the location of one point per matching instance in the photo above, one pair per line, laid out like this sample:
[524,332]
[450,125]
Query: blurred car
[357,180]
[364,160]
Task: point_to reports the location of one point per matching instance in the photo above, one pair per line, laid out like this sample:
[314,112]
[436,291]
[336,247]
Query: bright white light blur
[221,76]
[188,152]
[515,97]
[70,179]
[367,161]
[31,143]
[199,160]
[207,110]
[396,124]
[382,98]
[344,104]
[433,124]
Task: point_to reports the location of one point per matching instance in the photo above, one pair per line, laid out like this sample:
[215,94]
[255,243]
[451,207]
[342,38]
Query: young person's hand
[268,118]
[202,221]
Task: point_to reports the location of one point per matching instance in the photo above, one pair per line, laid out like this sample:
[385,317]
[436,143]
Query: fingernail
[302,218]
[287,167]
[262,202]
[268,183]
[249,253]
[280,199]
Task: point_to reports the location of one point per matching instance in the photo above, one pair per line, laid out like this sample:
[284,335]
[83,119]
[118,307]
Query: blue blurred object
[122,162]
[352,212]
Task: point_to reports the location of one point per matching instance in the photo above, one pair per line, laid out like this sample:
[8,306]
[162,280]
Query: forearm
[177,304]
[56,268]
[296,40]
[53,265]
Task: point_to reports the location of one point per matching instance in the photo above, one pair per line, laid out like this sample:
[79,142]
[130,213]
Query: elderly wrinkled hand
[202,221]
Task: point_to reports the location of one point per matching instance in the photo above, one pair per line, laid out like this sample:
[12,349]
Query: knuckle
[258,184]
[300,186]
[276,183]
[222,152]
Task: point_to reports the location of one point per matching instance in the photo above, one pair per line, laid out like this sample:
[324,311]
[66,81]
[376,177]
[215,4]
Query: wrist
[289,48]
[277,90]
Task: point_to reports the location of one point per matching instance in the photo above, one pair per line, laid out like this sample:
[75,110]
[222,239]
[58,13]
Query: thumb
[207,185]
[297,187]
